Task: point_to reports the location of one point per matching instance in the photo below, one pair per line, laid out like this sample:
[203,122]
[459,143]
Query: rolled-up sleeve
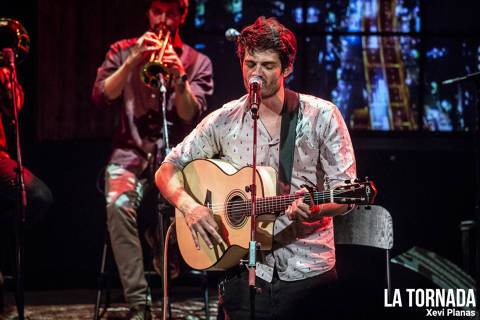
[337,154]
[112,62]
[201,83]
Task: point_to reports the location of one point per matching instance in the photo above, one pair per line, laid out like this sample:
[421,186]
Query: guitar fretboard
[280,203]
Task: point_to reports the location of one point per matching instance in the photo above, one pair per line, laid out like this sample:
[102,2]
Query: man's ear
[287,71]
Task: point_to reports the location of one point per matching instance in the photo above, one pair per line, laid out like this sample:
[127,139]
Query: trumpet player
[139,141]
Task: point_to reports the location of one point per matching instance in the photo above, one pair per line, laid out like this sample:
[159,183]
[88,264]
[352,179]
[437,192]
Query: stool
[104,284]
[105,287]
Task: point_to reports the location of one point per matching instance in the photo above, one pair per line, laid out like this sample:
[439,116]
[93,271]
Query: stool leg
[205,294]
[101,280]
[163,222]
[389,281]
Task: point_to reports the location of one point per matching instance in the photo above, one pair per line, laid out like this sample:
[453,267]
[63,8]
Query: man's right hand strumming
[198,218]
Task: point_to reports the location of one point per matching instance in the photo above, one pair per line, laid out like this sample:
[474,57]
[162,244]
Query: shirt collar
[290,103]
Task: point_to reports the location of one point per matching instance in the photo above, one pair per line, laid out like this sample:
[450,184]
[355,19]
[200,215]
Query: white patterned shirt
[323,153]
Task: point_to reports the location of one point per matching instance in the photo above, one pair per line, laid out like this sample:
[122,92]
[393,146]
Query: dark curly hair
[182,4]
[268,34]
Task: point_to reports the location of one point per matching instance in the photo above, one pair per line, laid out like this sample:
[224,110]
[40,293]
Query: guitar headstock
[358,192]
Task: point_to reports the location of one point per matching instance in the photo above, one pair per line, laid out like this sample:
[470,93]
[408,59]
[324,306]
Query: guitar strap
[287,140]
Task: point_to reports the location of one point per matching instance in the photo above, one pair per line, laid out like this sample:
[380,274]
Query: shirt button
[153,95]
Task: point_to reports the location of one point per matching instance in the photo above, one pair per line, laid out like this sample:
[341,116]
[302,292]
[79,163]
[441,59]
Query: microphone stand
[162,218]
[21,197]
[475,77]
[163,96]
[252,252]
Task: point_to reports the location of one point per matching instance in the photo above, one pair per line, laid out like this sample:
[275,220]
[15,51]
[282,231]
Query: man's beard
[271,91]
[266,91]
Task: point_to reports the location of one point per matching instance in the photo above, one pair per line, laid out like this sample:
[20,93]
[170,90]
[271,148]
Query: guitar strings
[245,209]
[287,199]
[237,209]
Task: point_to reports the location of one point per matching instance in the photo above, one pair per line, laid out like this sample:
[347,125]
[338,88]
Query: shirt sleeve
[201,83]
[336,152]
[112,62]
[6,94]
[202,142]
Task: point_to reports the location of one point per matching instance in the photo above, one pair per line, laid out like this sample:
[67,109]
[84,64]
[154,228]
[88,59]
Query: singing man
[295,274]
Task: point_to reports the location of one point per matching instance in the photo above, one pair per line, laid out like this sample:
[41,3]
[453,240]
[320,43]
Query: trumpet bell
[154,68]
[151,72]
[13,35]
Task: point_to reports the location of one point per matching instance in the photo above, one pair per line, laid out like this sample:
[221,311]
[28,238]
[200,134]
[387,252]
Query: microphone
[255,83]
[232,34]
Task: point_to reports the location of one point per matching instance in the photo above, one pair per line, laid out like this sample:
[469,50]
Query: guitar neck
[281,203]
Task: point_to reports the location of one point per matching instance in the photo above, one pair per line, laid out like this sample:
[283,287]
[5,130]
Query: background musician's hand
[299,210]
[200,220]
[6,92]
[172,62]
[145,45]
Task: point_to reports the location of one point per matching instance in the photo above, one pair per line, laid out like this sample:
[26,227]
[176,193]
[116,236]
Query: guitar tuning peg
[356,181]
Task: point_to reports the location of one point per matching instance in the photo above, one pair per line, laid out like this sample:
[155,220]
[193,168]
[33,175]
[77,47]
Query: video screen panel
[450,105]
[359,15]
[319,16]
[369,57]
[372,79]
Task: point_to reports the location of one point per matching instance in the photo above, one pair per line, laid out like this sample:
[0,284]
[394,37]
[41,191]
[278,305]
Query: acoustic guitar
[222,188]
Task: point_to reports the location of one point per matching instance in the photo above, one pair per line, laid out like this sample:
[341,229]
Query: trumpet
[14,36]
[154,68]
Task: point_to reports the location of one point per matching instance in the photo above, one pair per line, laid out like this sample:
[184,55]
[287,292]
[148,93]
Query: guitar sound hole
[236,211]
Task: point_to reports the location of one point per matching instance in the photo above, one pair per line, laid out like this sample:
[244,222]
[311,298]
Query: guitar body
[218,183]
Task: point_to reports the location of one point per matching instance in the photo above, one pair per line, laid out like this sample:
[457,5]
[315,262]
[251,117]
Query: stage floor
[187,303]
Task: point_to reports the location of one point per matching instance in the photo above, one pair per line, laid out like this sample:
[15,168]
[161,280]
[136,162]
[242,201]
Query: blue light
[320,57]
[312,15]
[354,14]
[379,106]
[433,87]
[353,40]
[298,15]
[417,24]
[332,18]
[373,42]
[436,53]
[446,105]
[279,9]
[199,21]
[237,17]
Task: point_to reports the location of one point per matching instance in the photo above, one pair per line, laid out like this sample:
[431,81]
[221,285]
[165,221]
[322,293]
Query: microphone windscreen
[255,79]
[232,34]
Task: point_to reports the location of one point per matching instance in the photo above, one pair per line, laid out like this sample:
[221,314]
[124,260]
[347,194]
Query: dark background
[425,180]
